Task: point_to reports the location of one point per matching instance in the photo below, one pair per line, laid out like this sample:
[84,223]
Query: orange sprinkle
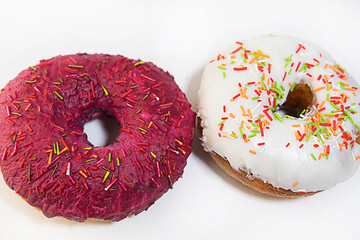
[326,65]
[295,184]
[29,128]
[251,151]
[262,54]
[232,115]
[253,60]
[318,89]
[326,78]
[242,124]
[11,122]
[251,116]
[322,104]
[357,157]
[350,89]
[243,110]
[296,126]
[27,107]
[336,70]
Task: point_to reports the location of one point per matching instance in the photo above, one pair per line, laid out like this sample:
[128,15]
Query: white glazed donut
[251,114]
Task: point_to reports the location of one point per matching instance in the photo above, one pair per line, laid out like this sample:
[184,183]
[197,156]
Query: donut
[47,159]
[279,115]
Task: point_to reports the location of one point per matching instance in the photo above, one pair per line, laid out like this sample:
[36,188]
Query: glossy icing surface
[238,103]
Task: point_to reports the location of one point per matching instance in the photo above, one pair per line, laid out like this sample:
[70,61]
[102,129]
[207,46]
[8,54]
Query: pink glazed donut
[47,159]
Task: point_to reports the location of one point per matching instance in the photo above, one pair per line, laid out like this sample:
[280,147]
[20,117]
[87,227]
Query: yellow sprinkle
[50,157]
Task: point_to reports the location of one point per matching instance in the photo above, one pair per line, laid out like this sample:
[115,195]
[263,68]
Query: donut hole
[102,130]
[298,101]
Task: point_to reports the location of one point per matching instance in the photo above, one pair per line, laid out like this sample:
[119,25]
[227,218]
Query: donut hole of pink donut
[101,128]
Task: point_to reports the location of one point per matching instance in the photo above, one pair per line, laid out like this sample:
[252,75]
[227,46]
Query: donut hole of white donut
[101,128]
[300,100]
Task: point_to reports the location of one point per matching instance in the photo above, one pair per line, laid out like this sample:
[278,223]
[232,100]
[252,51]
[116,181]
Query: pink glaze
[47,159]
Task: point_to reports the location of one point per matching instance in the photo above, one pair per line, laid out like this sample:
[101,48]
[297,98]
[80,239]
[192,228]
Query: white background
[181,36]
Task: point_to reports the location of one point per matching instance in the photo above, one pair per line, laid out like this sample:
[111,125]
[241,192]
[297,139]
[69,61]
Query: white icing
[282,161]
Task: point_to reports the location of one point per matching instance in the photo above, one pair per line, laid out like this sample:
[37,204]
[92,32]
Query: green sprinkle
[75,66]
[303,68]
[138,63]
[135,86]
[33,68]
[255,98]
[288,60]
[109,156]
[327,87]
[277,117]
[61,80]
[221,122]
[153,154]
[52,174]
[317,131]
[57,94]
[33,159]
[147,94]
[106,176]
[288,116]
[57,148]
[289,72]
[243,57]
[255,131]
[357,127]
[91,159]
[262,83]
[141,129]
[224,74]
[232,62]
[348,114]
[252,135]
[105,91]
[308,137]
[282,87]
[34,81]
[221,67]
[241,132]
[232,135]
[56,83]
[18,114]
[117,161]
[313,156]
[328,114]
[353,111]
[333,104]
